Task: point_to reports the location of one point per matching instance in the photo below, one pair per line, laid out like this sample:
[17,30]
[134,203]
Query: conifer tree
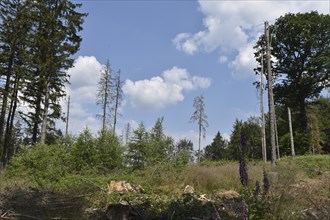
[217,149]
[201,118]
[136,148]
[15,25]
[54,38]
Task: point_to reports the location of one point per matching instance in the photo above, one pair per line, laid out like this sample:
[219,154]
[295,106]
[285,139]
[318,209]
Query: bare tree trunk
[276,141]
[117,97]
[8,139]
[199,143]
[270,96]
[44,117]
[106,95]
[263,132]
[67,118]
[5,94]
[291,134]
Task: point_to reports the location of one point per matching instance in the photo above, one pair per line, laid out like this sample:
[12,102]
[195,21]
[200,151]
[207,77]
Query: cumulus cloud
[223,59]
[232,27]
[160,91]
[243,63]
[84,76]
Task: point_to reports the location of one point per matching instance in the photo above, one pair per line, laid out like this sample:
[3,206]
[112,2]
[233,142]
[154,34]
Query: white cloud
[186,43]
[232,27]
[84,78]
[244,62]
[82,90]
[223,59]
[160,91]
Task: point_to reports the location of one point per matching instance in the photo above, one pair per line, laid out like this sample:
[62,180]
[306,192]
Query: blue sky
[170,52]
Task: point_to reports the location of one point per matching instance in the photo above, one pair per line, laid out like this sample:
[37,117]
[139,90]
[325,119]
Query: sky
[169,52]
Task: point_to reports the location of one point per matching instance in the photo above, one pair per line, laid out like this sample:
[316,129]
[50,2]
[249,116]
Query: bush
[83,152]
[42,164]
[109,151]
[103,153]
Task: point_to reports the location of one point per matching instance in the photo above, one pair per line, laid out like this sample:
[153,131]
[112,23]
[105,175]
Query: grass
[300,191]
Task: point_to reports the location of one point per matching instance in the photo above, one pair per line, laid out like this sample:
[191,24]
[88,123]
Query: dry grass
[220,178]
[209,179]
[300,191]
[298,194]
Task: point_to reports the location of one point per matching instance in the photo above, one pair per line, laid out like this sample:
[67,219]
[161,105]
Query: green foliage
[43,165]
[315,139]
[300,46]
[15,24]
[103,153]
[148,148]
[303,180]
[235,138]
[109,152]
[50,56]
[319,125]
[217,149]
[252,150]
[160,147]
[183,152]
[37,41]
[83,152]
[135,155]
[255,204]
[301,51]
[312,165]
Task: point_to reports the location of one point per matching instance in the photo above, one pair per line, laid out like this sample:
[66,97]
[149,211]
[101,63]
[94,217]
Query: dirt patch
[32,203]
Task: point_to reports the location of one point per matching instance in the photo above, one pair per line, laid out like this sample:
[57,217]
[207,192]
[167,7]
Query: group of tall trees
[152,147]
[300,71]
[299,45]
[37,40]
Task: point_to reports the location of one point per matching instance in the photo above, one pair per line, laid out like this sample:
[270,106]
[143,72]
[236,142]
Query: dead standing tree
[270,96]
[201,118]
[104,97]
[117,97]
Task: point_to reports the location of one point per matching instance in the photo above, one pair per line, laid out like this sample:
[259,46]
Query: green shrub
[43,165]
[102,153]
[83,152]
[109,152]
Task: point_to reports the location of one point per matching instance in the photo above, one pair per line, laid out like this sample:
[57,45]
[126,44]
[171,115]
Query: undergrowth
[299,188]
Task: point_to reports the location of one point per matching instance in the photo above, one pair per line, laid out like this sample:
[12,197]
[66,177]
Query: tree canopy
[301,60]
[217,149]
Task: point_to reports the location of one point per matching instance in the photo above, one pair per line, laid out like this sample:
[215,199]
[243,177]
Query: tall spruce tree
[137,148]
[161,147]
[217,149]
[54,39]
[15,25]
